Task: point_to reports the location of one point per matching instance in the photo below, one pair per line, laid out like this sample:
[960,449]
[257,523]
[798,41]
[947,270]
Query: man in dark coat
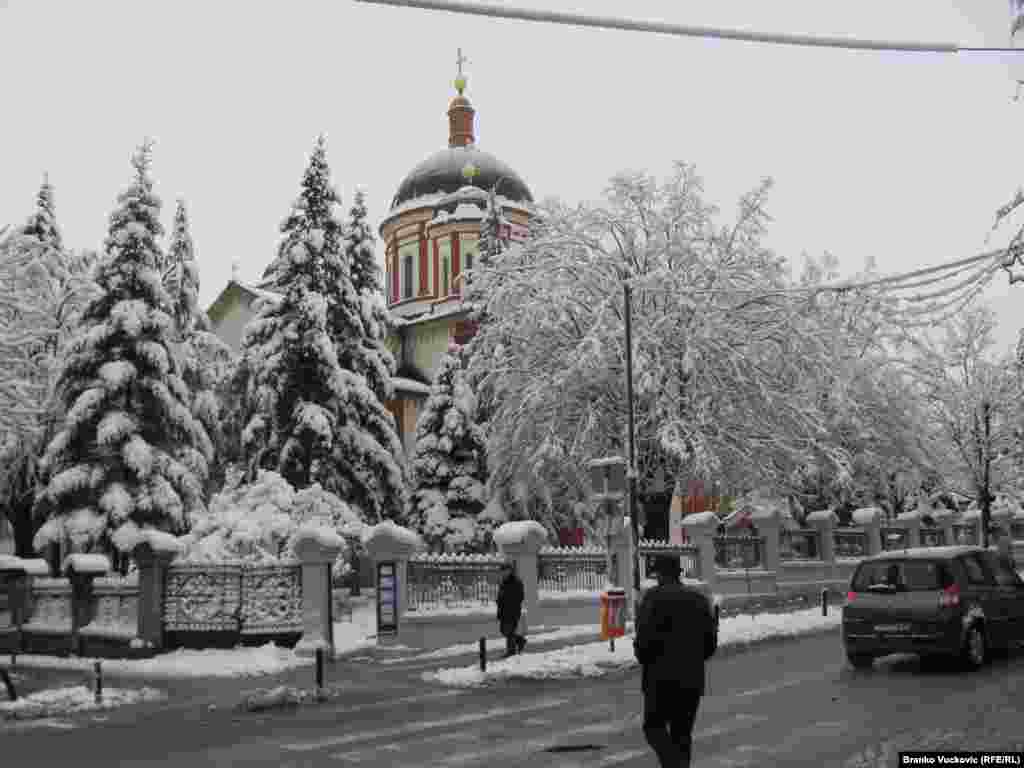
[676,632]
[510,609]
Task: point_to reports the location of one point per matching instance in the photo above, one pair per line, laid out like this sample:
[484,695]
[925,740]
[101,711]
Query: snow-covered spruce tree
[205,359]
[449,465]
[311,417]
[371,357]
[129,449]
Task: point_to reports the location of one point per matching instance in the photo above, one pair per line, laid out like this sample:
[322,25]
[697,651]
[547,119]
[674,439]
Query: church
[431,236]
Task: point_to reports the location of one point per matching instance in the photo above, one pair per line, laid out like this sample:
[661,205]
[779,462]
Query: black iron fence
[798,545]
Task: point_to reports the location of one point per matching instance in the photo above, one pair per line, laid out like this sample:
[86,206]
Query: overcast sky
[903,157]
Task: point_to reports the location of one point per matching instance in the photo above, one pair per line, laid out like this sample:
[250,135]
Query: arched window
[408,256]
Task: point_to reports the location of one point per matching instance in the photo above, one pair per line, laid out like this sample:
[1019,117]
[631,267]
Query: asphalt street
[791,703]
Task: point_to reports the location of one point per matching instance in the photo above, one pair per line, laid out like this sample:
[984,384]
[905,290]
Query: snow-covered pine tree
[370,358]
[129,448]
[205,359]
[449,465]
[311,417]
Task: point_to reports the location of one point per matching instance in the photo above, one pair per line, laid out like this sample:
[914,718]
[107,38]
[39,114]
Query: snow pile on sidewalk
[235,662]
[596,660]
[79,698]
[360,632]
[538,636]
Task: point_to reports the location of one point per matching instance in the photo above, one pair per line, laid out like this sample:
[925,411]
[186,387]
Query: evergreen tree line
[125,408]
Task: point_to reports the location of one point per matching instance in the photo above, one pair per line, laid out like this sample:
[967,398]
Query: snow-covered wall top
[387,532]
[519,531]
[867,515]
[823,516]
[322,535]
[98,564]
[11,563]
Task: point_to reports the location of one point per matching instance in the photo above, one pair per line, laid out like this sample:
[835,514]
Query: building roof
[442,173]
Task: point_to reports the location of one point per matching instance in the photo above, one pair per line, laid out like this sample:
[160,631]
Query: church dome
[442,172]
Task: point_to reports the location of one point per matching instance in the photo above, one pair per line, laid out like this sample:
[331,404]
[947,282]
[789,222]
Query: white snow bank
[517,532]
[86,564]
[183,664]
[389,530]
[596,660]
[79,698]
[537,637]
[326,537]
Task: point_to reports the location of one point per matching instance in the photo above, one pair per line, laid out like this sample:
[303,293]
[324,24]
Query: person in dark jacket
[510,609]
[676,632]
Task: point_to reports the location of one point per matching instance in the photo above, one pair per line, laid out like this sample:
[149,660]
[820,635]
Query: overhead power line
[682,30]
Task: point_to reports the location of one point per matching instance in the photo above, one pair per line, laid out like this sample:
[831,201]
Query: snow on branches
[726,366]
[128,448]
[310,368]
[449,466]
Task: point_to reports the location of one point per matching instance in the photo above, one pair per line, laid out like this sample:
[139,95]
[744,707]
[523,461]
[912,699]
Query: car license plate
[892,628]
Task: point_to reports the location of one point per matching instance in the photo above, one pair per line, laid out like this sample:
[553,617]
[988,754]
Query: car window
[977,574]
[902,576]
[1003,573]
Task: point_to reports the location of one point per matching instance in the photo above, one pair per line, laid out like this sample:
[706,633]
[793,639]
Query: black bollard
[320,669]
[483,654]
[97,669]
[824,602]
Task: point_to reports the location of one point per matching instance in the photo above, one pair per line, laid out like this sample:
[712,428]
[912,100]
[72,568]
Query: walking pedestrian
[510,609]
[676,632]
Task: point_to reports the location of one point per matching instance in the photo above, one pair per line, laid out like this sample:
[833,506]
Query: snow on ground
[79,698]
[537,636]
[234,662]
[595,659]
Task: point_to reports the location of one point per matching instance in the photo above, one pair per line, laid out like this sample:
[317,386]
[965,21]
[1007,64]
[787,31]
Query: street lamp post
[634,518]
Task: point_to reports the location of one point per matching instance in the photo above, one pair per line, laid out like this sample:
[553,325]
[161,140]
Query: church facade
[431,237]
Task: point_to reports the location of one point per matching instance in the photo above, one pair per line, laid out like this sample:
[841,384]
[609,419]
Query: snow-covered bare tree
[43,288]
[128,448]
[205,359]
[973,399]
[449,464]
[312,415]
[727,363]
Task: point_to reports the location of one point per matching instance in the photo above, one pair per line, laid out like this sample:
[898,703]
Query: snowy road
[786,704]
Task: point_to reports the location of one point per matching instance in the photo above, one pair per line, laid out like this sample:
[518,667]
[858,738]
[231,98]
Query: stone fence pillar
[387,543]
[824,521]
[13,595]
[153,557]
[317,547]
[700,528]
[767,520]
[520,542]
[910,521]
[81,571]
[944,522]
[870,519]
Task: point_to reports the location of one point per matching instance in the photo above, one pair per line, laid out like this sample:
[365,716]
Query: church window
[408,253]
[469,247]
[444,253]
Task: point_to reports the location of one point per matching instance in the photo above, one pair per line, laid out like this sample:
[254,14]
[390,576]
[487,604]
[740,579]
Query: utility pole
[634,517]
[986,497]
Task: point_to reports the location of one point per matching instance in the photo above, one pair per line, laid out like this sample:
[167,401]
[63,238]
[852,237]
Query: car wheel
[975,650]
[860,660]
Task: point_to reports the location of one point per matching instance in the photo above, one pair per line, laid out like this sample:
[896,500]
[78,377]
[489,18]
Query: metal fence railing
[572,569]
[850,542]
[689,557]
[965,533]
[933,537]
[895,538]
[798,545]
[452,581]
[735,552]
